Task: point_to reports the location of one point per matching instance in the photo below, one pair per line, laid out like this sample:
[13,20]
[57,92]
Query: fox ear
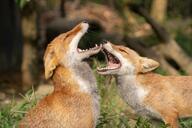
[50,62]
[148,65]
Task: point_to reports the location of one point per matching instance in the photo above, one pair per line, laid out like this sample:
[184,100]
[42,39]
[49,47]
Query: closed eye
[122,50]
[67,36]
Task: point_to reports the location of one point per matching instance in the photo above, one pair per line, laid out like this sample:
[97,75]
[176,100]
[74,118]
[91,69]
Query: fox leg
[171,120]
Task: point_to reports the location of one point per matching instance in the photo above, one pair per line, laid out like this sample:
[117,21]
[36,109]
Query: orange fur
[165,97]
[67,106]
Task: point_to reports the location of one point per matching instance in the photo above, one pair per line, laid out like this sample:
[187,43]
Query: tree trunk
[168,47]
[10,39]
[29,64]
[158,9]
[174,51]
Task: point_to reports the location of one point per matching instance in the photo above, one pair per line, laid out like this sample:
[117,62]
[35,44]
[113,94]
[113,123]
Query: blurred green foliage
[22,3]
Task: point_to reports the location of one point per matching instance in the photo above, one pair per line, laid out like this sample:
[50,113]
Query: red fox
[74,103]
[150,94]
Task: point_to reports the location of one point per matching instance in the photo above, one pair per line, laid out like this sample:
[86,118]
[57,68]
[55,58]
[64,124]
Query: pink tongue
[112,65]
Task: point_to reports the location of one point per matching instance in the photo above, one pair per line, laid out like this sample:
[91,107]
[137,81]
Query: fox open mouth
[78,32]
[112,62]
[89,49]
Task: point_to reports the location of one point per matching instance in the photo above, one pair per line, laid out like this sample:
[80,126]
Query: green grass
[114,112]
[12,113]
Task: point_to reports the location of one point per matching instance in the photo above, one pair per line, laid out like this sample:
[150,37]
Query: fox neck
[131,91]
[76,78]
[128,81]
[62,79]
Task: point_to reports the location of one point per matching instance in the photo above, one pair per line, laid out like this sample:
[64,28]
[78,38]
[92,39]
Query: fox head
[64,51]
[122,60]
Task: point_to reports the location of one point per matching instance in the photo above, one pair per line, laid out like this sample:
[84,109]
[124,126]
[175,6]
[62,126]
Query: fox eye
[67,36]
[122,50]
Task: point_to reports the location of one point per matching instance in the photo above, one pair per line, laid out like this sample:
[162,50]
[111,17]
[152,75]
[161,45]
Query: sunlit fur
[151,94]
[74,101]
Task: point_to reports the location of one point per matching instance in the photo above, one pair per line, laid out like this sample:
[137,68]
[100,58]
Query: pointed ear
[148,65]
[50,62]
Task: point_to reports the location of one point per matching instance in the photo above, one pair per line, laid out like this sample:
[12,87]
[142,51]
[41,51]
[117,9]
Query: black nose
[85,22]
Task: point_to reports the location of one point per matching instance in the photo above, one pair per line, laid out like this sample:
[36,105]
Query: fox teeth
[106,68]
